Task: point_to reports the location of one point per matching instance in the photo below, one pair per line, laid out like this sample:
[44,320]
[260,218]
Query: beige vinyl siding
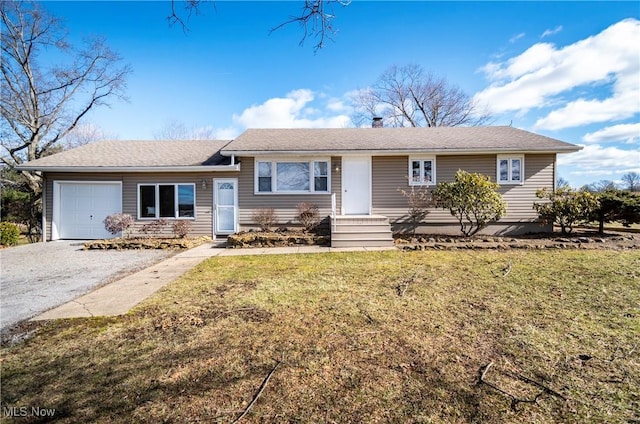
[539,173]
[446,168]
[283,204]
[390,175]
[201,225]
[336,180]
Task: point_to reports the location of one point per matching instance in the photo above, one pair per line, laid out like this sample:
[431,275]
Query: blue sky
[568,70]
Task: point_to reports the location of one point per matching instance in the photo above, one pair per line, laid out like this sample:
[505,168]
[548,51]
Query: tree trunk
[601,224]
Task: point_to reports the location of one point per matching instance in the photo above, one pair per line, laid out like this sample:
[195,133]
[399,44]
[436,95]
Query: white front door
[356,185]
[79,208]
[225,198]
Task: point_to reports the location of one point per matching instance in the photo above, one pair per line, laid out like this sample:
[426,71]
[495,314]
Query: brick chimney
[377,122]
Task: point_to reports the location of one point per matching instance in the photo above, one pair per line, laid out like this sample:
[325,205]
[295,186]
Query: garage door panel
[106,201]
[83,208]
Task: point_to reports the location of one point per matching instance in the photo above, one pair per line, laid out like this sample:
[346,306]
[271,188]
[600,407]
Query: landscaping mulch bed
[146,243]
[583,239]
[275,239]
[577,240]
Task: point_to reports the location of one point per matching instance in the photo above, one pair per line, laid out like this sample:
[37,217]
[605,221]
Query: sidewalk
[119,297]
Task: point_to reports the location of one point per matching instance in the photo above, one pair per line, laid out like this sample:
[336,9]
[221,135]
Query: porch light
[204,184]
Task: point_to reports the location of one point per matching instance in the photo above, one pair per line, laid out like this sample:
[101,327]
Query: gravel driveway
[41,276]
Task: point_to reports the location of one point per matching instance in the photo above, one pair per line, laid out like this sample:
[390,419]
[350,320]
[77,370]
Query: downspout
[44,209]
[555,172]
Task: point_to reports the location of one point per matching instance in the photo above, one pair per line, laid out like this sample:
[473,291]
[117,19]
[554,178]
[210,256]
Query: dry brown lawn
[359,337]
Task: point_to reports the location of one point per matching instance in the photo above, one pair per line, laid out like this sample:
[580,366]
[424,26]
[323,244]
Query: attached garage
[80,208]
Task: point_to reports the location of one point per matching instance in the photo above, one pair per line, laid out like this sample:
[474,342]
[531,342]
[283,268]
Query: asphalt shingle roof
[148,153]
[455,139]
[171,153]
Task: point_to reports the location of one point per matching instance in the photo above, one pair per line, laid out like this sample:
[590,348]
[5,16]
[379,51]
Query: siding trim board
[274,161]
[217,207]
[398,152]
[137,169]
[510,158]
[57,194]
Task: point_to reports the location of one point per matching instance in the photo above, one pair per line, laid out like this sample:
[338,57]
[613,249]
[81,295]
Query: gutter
[381,152]
[139,169]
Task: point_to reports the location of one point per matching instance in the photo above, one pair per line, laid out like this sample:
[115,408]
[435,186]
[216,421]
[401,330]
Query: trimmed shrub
[9,233]
[266,218]
[118,222]
[181,228]
[308,215]
[473,199]
[565,207]
[617,206]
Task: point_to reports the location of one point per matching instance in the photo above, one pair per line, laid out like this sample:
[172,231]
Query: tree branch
[514,399]
[315,19]
[260,390]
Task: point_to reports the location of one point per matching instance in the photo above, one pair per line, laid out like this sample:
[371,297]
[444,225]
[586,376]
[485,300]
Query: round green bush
[9,233]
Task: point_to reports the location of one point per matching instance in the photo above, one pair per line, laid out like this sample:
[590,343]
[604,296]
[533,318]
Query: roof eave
[382,152]
[142,169]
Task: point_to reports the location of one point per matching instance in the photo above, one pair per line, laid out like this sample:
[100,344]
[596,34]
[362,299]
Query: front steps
[361,231]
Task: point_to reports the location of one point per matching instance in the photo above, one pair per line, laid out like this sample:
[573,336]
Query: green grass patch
[363,337]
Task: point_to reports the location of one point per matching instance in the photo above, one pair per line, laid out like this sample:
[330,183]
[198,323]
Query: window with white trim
[292,176]
[510,169]
[166,201]
[422,170]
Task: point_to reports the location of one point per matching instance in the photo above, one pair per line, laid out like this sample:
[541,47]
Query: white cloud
[549,32]
[628,133]
[539,76]
[338,105]
[596,160]
[295,110]
[292,111]
[621,105]
[278,112]
[516,37]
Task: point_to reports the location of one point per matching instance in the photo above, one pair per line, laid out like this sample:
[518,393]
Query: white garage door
[82,208]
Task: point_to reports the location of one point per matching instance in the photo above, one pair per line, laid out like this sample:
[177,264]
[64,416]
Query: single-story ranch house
[354,176]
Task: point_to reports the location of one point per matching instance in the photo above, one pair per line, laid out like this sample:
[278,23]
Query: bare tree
[41,102]
[85,133]
[176,130]
[408,96]
[631,181]
[600,186]
[562,183]
[315,17]
[189,6]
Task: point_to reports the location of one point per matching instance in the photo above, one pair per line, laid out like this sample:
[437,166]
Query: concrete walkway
[119,297]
